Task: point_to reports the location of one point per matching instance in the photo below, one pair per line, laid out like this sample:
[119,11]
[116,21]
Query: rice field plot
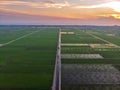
[80,37]
[98,73]
[77,50]
[91,61]
[112,39]
[76,75]
[110,53]
[83,40]
[29,62]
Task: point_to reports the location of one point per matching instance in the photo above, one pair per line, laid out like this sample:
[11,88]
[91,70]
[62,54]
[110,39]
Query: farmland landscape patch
[28,63]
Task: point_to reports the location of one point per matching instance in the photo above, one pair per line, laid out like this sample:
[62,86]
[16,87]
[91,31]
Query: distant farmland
[59,58]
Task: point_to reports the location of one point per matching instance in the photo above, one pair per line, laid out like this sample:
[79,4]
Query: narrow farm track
[4,44]
[103,39]
[57,72]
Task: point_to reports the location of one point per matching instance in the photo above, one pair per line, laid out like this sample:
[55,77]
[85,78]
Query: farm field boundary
[4,44]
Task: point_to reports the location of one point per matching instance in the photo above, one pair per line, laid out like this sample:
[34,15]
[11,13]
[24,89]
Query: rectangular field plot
[89,74]
[109,53]
[77,39]
[80,37]
[112,39]
[28,63]
[90,61]
[77,50]
[81,56]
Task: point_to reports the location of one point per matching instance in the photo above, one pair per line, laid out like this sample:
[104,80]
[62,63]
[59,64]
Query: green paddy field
[27,63]
[91,58]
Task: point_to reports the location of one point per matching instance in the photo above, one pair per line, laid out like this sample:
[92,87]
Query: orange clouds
[35,4]
[69,9]
[117,16]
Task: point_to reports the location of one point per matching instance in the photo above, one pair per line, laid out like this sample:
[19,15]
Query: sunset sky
[78,12]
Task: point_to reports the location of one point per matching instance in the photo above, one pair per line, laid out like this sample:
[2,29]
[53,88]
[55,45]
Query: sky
[70,12]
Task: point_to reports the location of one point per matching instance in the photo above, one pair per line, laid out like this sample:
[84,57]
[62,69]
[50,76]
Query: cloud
[115,16]
[115,5]
[88,2]
[35,3]
[67,10]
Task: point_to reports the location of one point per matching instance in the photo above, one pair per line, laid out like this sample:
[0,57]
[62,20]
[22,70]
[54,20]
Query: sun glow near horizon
[67,9]
[115,5]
